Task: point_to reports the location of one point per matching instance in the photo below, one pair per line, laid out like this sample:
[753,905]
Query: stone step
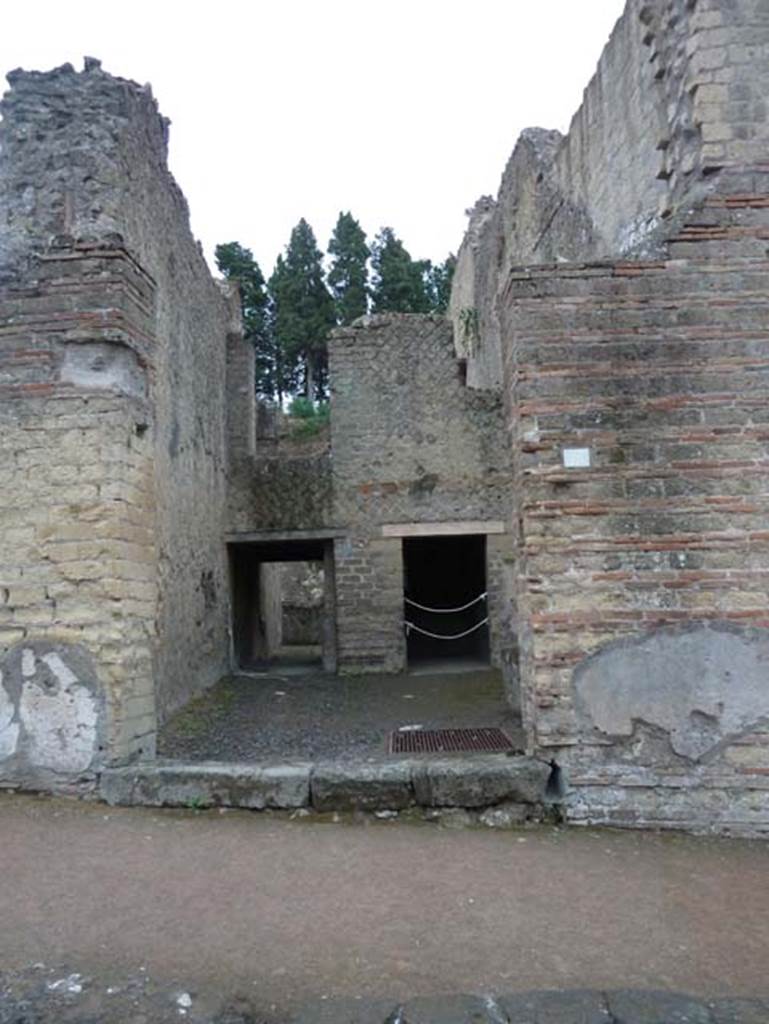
[477,783]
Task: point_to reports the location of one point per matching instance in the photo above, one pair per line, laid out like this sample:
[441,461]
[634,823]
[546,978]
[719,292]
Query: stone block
[384,786]
[571,1006]
[346,1011]
[480,782]
[628,1006]
[285,786]
[454,1009]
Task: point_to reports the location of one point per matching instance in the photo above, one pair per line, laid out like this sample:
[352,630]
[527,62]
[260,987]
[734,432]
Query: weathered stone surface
[738,1011]
[571,1006]
[640,1007]
[506,815]
[455,1009]
[346,1011]
[480,781]
[209,785]
[387,785]
[706,802]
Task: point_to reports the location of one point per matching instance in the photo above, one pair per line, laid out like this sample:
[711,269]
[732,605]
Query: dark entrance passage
[261,634]
[444,601]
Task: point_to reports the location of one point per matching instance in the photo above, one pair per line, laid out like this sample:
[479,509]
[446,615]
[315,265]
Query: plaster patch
[64,675]
[9,730]
[103,365]
[27,663]
[60,726]
[704,686]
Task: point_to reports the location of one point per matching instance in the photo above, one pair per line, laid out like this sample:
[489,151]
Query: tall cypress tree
[348,276]
[236,263]
[304,310]
[439,280]
[400,284]
[287,370]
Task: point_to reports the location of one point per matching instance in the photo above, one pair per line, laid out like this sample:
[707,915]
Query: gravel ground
[285,914]
[325,717]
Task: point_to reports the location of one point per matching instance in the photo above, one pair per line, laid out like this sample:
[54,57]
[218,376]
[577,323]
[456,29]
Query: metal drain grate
[449,741]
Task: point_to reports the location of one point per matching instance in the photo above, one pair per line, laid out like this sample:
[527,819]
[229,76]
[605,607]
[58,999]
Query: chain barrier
[437,636]
[446,611]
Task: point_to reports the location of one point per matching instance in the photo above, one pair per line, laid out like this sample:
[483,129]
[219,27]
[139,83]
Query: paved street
[286,914]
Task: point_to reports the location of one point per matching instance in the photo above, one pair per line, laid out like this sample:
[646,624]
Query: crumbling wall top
[78,152]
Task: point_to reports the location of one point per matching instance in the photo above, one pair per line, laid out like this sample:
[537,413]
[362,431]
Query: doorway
[283,605]
[445,604]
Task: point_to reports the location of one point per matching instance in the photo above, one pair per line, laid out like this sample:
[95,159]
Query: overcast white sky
[402,111]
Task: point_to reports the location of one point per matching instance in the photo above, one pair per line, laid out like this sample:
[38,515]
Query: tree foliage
[439,278]
[288,320]
[348,274]
[236,263]
[304,311]
[399,283]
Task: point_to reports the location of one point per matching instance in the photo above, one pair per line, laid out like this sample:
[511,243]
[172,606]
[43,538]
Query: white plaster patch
[64,675]
[576,458]
[9,730]
[702,686]
[27,663]
[60,726]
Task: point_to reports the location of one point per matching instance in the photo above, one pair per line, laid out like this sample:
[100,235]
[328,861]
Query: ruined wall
[642,597]
[411,444]
[284,488]
[279,480]
[679,94]
[78,590]
[113,351]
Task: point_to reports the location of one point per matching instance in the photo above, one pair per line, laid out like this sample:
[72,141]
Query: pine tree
[287,370]
[348,276]
[399,282]
[440,276]
[236,263]
[304,311]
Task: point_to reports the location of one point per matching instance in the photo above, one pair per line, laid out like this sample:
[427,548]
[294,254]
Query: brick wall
[411,444]
[679,95]
[77,548]
[641,584]
[113,348]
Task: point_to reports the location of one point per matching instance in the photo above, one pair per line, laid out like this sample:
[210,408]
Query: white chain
[436,636]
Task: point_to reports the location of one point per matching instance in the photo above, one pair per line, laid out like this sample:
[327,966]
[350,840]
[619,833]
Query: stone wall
[77,554]
[641,585]
[411,444]
[678,95]
[113,369]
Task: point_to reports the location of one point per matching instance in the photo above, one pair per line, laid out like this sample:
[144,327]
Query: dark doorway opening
[444,597]
[265,633]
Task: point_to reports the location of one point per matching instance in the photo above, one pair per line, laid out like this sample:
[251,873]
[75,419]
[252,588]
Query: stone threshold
[514,784]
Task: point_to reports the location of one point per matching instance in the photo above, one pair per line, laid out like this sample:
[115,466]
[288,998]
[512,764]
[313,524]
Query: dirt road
[303,910]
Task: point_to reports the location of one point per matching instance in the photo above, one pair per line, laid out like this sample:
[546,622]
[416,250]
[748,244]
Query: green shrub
[302,408]
[310,418]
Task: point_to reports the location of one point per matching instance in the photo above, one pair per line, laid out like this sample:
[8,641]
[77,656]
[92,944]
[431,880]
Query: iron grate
[449,741]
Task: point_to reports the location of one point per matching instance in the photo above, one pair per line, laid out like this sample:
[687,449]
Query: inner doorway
[445,603]
[283,613]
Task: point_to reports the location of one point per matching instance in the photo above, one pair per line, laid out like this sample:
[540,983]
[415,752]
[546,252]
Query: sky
[402,111]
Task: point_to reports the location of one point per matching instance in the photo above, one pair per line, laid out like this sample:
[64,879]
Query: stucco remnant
[51,712]
[704,686]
